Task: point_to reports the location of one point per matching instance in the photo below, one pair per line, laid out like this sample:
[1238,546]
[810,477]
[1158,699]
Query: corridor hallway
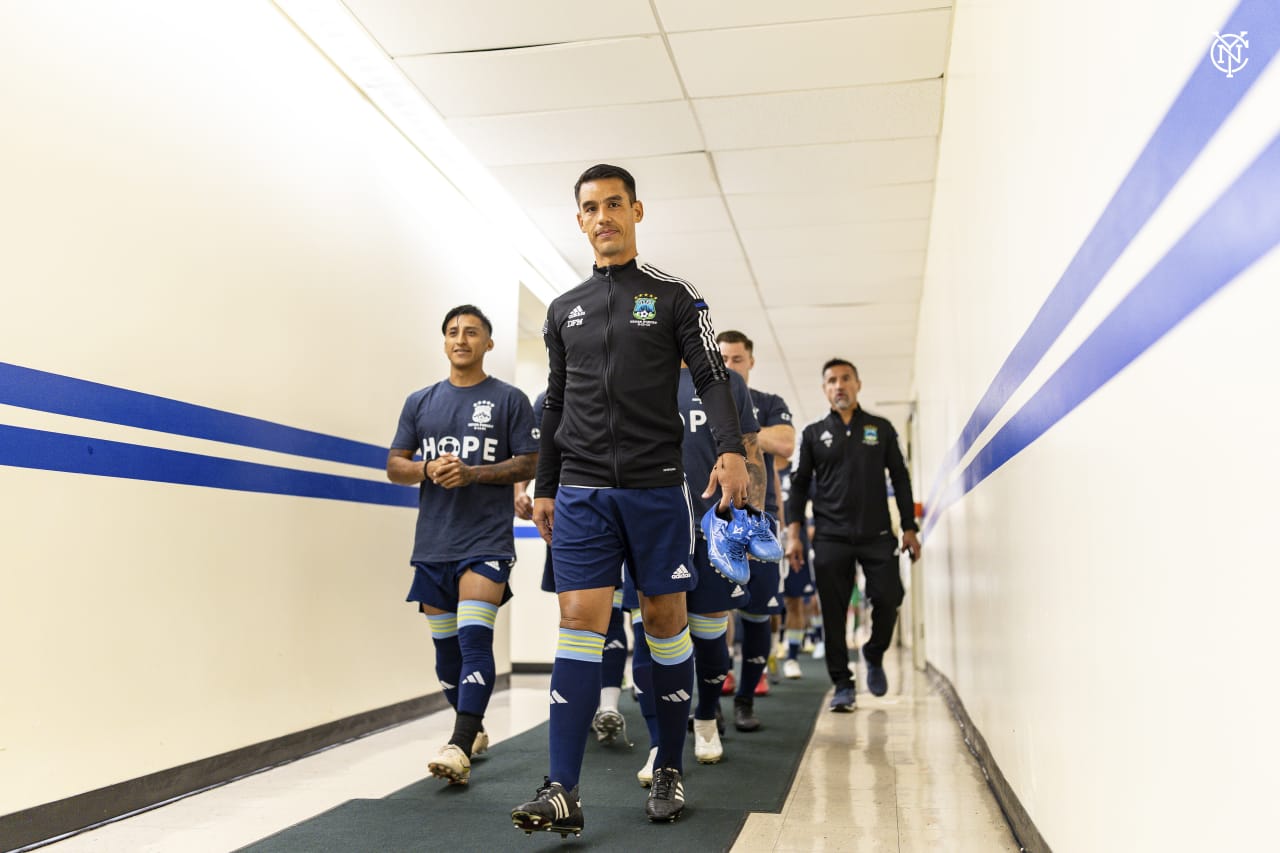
[893,776]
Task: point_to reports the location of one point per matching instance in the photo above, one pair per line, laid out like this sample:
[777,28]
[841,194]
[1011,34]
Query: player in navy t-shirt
[777,440]
[477,437]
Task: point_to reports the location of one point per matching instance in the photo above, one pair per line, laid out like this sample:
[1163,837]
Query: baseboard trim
[1024,830]
[44,824]
[530,668]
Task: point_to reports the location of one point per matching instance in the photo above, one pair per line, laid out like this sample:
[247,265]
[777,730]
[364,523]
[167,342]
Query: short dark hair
[733,336]
[602,171]
[836,362]
[466,309]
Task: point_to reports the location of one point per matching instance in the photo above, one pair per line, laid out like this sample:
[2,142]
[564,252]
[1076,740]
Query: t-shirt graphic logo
[482,411]
[645,310]
[871,435]
[681,573]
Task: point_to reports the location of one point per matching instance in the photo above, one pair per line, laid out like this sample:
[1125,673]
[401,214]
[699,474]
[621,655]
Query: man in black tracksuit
[848,452]
[611,488]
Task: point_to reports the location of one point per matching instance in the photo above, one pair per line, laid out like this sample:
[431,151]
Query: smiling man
[476,436]
[611,486]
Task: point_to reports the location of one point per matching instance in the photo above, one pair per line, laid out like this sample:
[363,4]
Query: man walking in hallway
[611,489]
[846,454]
[477,438]
[777,441]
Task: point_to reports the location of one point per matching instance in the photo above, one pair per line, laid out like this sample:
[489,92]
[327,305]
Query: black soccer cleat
[744,714]
[666,796]
[553,809]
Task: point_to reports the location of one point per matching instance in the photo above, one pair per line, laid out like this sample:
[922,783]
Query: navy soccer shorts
[765,589]
[797,584]
[436,584]
[714,592]
[597,530]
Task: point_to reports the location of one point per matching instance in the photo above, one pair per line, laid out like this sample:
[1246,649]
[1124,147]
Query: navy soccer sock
[642,675]
[444,635]
[755,651]
[575,690]
[672,681]
[475,637]
[711,661]
[615,650]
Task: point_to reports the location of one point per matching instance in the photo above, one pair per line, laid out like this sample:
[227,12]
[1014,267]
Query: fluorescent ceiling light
[336,32]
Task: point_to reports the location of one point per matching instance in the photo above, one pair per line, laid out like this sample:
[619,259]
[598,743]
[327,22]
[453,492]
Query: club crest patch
[645,310]
[826,438]
[871,435]
[481,414]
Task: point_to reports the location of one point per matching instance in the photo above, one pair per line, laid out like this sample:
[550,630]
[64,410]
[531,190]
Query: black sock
[465,729]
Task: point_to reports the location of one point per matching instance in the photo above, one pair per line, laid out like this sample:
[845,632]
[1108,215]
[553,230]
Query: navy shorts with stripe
[797,584]
[714,591]
[597,530]
[436,584]
[765,589]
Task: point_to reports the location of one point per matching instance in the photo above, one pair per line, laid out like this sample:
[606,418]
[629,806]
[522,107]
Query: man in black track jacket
[611,487]
[848,453]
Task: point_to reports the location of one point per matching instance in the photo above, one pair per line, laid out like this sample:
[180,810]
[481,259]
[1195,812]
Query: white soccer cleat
[791,669]
[645,774]
[451,764]
[706,742]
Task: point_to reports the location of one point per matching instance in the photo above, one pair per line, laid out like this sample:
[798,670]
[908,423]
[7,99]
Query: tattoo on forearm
[510,471]
[755,470]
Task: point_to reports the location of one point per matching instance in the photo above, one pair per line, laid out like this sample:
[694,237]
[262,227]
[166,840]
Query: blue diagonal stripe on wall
[66,395]
[1204,103]
[1241,227]
[75,454]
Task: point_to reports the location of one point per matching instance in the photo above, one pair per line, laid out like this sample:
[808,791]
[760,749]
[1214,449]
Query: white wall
[196,205]
[1103,603]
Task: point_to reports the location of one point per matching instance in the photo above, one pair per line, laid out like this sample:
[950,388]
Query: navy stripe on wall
[1241,227]
[74,454]
[1200,109]
[65,395]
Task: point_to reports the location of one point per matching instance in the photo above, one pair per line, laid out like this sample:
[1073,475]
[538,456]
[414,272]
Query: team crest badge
[646,307]
[871,435]
[826,438]
[482,412]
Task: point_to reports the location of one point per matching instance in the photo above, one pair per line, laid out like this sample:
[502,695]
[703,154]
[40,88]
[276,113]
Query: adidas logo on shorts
[681,573]
[557,699]
[737,591]
[474,678]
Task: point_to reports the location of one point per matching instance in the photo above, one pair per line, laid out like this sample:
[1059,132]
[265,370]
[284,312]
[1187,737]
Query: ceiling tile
[437,26]
[684,215]
[555,77]
[667,176]
[846,165]
[821,54]
[887,111]
[909,235]
[680,15]
[793,317]
[836,291]
[591,135]
[848,268]
[872,204]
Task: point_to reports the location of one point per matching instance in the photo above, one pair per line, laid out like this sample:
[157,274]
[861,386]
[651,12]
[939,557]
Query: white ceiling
[785,152]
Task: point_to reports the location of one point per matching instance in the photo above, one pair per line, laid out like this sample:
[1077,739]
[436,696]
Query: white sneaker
[645,774]
[451,764]
[791,669]
[706,742]
[819,651]
[481,744]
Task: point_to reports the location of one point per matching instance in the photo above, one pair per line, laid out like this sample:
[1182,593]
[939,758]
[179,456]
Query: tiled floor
[893,776]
